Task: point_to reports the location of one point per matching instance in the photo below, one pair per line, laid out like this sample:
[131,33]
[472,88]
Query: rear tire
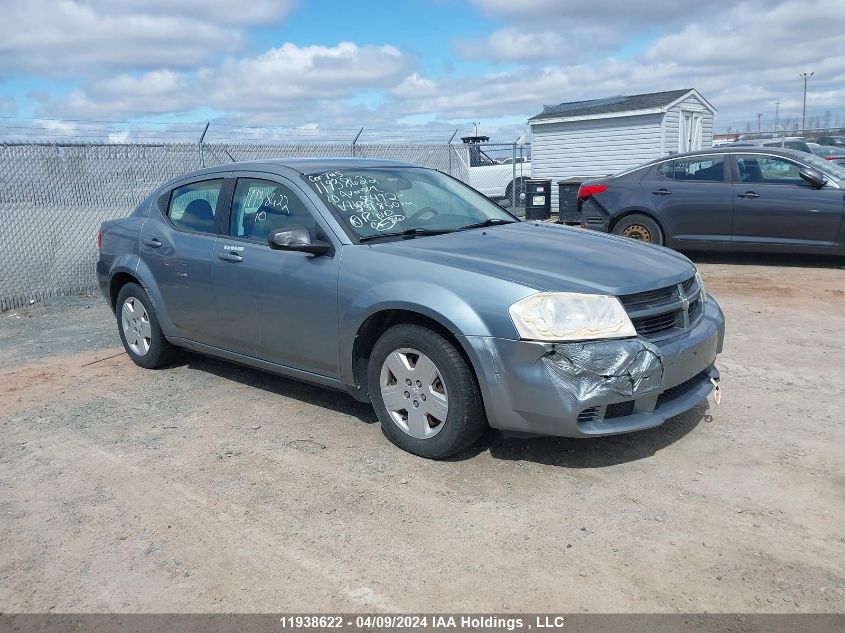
[520,188]
[424,393]
[641,228]
[139,330]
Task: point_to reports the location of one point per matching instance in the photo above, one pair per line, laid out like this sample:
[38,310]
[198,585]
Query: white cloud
[743,56]
[743,59]
[516,45]
[282,80]
[414,86]
[293,73]
[90,37]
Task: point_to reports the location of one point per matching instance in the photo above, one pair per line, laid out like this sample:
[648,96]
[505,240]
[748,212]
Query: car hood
[551,257]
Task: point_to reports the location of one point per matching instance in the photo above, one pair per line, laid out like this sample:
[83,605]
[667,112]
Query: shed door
[690,131]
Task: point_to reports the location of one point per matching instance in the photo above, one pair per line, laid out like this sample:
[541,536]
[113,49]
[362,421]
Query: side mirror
[297,238]
[813,176]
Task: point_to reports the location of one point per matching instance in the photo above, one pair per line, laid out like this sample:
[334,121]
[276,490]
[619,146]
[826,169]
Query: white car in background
[495,177]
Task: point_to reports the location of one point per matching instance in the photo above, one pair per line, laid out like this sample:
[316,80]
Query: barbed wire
[52,129]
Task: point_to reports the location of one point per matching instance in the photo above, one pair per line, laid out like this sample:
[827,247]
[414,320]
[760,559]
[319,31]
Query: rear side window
[192,206]
[667,169]
[709,169]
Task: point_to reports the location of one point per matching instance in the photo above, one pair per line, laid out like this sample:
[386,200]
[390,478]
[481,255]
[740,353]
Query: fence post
[513,178]
[355,140]
[449,150]
[202,138]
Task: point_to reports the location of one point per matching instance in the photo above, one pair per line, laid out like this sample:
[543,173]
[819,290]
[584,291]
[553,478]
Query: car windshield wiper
[486,223]
[406,233]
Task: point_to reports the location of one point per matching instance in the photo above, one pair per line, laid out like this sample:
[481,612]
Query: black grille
[679,390]
[649,298]
[588,415]
[664,312]
[649,326]
[619,409]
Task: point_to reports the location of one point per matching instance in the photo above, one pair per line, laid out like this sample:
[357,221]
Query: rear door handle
[662,192]
[153,242]
[230,257]
[749,194]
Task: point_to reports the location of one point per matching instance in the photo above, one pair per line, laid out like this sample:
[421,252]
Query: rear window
[697,169]
[192,206]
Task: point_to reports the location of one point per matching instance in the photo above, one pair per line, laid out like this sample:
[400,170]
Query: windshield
[381,201]
[828,168]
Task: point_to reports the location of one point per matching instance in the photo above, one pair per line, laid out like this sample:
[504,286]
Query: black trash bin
[538,199]
[567,200]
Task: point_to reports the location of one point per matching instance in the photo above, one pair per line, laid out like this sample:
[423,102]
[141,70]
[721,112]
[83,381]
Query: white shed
[605,136]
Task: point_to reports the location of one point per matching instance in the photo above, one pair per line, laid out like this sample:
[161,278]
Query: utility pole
[806,76]
[759,122]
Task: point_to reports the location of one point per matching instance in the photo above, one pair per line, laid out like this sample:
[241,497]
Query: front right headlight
[570,316]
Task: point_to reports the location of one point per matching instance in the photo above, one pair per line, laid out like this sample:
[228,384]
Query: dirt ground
[210,487]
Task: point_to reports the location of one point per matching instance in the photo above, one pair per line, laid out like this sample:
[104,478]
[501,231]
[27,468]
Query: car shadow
[338,401]
[599,452]
[768,259]
[563,452]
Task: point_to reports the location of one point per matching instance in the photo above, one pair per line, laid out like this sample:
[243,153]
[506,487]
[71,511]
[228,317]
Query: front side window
[378,201]
[192,206]
[701,169]
[768,170]
[261,207]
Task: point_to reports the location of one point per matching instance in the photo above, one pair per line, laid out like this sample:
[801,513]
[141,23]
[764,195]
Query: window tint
[709,169]
[768,170]
[261,207]
[192,206]
[667,169]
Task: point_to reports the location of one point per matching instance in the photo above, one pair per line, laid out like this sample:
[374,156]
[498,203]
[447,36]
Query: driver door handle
[662,192]
[230,257]
[153,242]
[748,194]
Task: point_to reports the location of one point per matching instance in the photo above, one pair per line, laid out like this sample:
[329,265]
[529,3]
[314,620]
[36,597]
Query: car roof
[284,167]
[738,149]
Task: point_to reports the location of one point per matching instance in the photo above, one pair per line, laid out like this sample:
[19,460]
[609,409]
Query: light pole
[759,122]
[476,124]
[806,76]
[777,115]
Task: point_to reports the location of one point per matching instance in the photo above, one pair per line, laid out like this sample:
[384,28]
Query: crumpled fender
[627,367]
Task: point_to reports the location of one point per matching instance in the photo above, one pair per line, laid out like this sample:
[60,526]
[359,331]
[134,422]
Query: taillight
[590,190]
[831,157]
[100,241]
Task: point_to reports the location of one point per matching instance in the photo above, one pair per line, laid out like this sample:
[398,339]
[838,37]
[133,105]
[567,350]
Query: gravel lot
[210,487]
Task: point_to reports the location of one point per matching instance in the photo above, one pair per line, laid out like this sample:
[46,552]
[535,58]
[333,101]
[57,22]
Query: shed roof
[610,106]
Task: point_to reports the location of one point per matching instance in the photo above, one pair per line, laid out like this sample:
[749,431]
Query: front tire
[641,228]
[424,393]
[139,330]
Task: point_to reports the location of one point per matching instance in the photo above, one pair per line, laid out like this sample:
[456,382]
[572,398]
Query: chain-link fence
[829,136]
[53,198]
[498,170]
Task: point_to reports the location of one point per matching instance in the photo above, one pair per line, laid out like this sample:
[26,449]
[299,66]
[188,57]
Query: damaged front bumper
[597,387]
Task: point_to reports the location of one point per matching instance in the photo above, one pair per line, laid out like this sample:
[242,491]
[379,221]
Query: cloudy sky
[70,66]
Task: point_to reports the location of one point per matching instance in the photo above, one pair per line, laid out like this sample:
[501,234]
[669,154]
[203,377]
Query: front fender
[428,299]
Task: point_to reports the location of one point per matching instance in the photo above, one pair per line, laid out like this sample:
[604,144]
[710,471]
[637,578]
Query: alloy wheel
[136,326]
